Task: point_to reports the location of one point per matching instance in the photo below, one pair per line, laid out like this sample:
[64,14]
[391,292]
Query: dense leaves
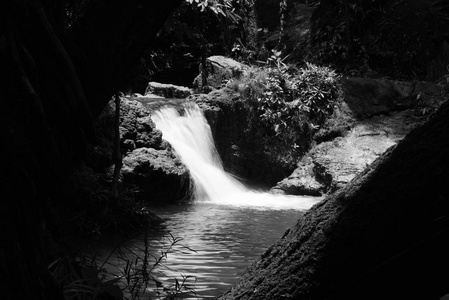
[394,37]
[287,105]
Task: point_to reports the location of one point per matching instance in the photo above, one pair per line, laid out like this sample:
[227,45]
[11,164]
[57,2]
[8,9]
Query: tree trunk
[348,30]
[117,156]
[52,84]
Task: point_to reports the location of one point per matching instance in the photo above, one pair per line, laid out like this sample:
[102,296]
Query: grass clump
[130,271]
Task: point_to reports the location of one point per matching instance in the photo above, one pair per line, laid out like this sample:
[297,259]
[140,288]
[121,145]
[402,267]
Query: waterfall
[190,136]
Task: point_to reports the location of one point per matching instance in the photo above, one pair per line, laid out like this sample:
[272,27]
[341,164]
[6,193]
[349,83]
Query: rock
[136,127]
[162,176]
[246,149]
[181,76]
[384,235]
[357,136]
[368,97]
[302,181]
[148,161]
[333,164]
[128,145]
[167,90]
[147,96]
[220,69]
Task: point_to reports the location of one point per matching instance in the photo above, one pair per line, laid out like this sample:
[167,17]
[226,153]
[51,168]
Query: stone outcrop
[376,115]
[220,69]
[383,236]
[148,161]
[162,177]
[167,90]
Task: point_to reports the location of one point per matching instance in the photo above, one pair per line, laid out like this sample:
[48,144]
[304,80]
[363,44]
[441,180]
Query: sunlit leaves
[221,8]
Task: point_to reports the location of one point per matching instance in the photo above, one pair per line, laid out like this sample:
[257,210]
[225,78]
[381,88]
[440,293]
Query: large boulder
[161,176]
[136,127]
[219,70]
[383,236]
[368,97]
[302,181]
[148,161]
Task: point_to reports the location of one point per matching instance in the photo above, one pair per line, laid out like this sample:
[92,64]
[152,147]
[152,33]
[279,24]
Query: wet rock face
[375,115]
[159,173]
[167,90]
[148,161]
[244,147]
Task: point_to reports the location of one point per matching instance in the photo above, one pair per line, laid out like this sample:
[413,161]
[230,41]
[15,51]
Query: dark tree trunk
[348,30]
[117,156]
[53,83]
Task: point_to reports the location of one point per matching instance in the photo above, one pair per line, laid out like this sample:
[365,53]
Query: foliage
[194,31]
[141,269]
[317,87]
[89,277]
[95,210]
[82,278]
[290,95]
[394,37]
[290,104]
[221,8]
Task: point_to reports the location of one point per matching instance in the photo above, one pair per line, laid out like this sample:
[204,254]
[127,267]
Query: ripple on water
[227,239]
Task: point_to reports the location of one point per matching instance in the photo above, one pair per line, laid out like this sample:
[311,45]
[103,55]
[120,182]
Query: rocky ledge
[374,116]
[148,161]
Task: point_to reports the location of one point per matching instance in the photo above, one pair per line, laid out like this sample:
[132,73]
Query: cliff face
[382,236]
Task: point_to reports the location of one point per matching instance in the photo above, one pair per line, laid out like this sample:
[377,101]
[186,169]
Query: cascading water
[190,136]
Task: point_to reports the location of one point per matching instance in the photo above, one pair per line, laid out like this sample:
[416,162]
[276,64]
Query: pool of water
[227,239]
[214,245]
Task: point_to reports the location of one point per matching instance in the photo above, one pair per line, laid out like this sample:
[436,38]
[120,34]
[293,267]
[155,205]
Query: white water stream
[228,225]
[189,134]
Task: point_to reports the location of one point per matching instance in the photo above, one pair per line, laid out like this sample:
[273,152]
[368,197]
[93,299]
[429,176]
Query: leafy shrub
[289,105]
[290,98]
[317,88]
[397,37]
[127,272]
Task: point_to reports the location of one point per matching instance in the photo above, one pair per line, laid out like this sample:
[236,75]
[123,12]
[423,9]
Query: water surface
[207,245]
[227,239]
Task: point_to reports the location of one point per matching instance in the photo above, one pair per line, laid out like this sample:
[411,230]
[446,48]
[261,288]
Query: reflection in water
[228,226]
[226,239]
